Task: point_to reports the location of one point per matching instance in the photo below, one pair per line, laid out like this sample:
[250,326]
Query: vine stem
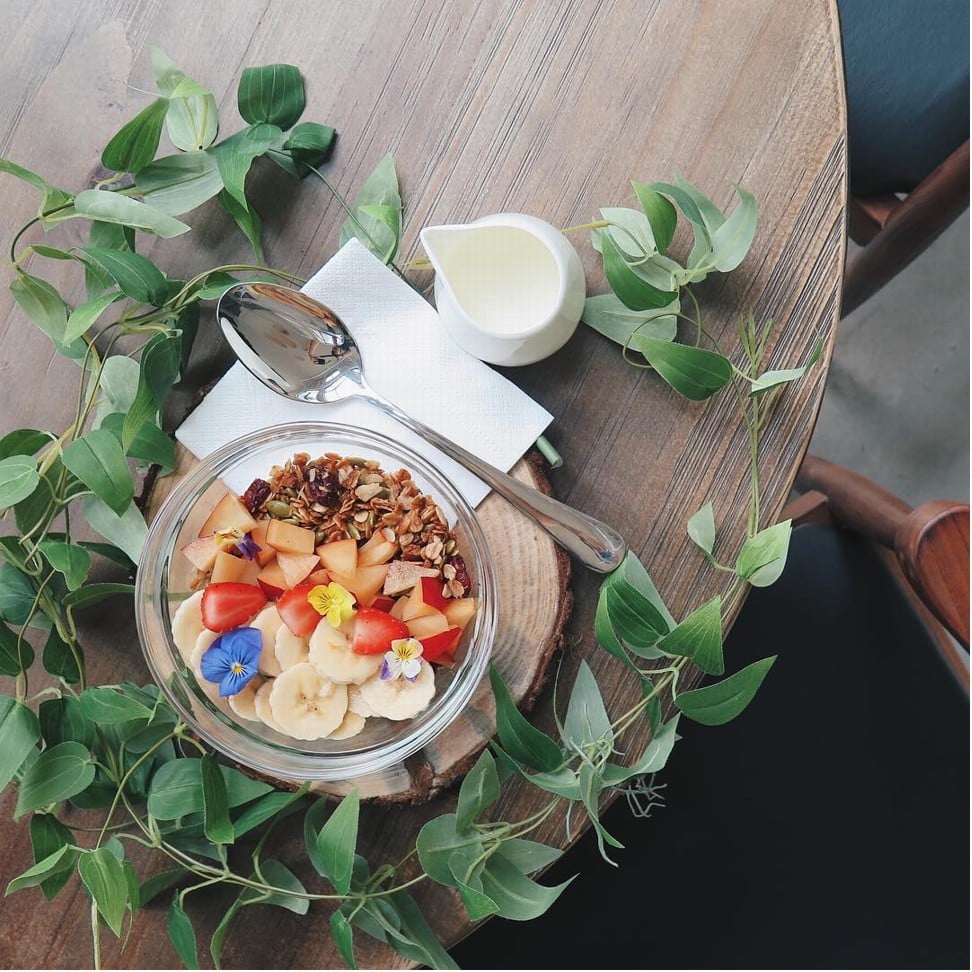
[95,935]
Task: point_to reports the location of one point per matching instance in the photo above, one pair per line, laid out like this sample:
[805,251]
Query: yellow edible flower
[333,601]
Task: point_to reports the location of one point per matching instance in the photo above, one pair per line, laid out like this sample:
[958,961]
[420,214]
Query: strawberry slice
[228,604]
[439,647]
[297,612]
[374,631]
[382,603]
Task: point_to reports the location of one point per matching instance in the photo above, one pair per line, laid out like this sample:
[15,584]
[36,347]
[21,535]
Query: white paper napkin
[408,358]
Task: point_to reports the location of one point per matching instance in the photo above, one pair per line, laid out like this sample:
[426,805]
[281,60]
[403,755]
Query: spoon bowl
[301,349]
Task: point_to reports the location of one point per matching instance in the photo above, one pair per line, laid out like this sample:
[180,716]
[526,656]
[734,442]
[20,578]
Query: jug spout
[509,288]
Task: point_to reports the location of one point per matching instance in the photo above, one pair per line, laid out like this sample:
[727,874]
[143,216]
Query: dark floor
[827,827]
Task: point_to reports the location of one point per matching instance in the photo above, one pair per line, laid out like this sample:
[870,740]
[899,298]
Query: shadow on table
[827,827]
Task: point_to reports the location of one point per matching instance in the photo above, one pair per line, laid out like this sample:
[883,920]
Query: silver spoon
[300,349]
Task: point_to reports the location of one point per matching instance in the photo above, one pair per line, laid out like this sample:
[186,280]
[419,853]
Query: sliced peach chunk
[289,538]
[259,536]
[271,579]
[319,576]
[226,567]
[427,625]
[228,514]
[339,556]
[296,567]
[201,553]
[417,606]
[376,550]
[364,583]
[461,610]
[399,608]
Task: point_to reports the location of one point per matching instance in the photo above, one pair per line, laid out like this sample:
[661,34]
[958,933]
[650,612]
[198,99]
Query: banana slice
[244,702]
[350,726]
[261,705]
[210,689]
[330,653]
[306,704]
[187,625]
[290,649]
[268,622]
[356,703]
[398,698]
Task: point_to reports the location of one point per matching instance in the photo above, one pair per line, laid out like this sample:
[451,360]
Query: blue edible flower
[232,659]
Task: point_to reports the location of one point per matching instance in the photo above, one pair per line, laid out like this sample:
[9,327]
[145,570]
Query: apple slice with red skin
[296,567]
[427,624]
[258,535]
[271,579]
[201,553]
[432,593]
[376,550]
[460,610]
[364,583]
[382,603]
[440,647]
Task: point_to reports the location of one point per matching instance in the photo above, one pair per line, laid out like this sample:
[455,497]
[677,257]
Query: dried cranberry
[256,495]
[325,490]
[462,574]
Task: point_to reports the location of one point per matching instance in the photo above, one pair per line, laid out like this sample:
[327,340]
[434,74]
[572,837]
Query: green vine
[120,750]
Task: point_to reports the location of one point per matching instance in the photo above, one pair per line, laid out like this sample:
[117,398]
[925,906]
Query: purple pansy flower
[232,659]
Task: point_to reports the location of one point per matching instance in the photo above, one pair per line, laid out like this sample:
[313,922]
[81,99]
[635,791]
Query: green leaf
[23,442]
[152,887]
[48,836]
[693,372]
[109,551]
[262,810]
[193,118]
[150,444]
[18,479]
[604,631]
[337,841]
[11,168]
[702,528]
[762,557]
[630,232]
[16,654]
[160,364]
[135,144]
[104,877]
[564,782]
[699,637]
[20,733]
[51,868]
[178,183]
[634,618]
[110,207]
[218,826]
[479,791]
[660,213]
[478,905]
[272,94]
[731,241]
[528,855]
[235,155]
[715,705]
[59,660]
[177,789]
[633,290]
[84,315]
[248,221]
[587,720]
[281,876]
[127,532]
[771,379]
[344,938]
[591,785]
[216,942]
[45,307]
[61,720]
[182,935]
[17,594]
[415,929]
[517,897]
[380,235]
[105,705]
[137,276]
[58,773]
[309,143]
[609,316]
[444,850]
[119,384]
[72,561]
[313,821]
[524,742]
[97,460]
[652,760]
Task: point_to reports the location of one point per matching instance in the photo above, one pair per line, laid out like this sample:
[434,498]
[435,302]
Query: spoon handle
[593,543]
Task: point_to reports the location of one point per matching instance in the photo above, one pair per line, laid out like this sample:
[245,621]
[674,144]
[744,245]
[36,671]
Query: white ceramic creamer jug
[509,288]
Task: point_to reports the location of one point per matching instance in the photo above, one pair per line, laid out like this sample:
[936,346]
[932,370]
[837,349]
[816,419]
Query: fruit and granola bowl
[317,602]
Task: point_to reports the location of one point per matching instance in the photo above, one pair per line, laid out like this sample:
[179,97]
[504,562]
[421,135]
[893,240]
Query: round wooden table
[542,107]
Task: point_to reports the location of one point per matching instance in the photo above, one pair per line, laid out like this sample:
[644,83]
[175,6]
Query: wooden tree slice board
[534,600]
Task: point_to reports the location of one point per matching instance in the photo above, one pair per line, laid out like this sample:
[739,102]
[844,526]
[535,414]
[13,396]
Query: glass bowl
[164,579]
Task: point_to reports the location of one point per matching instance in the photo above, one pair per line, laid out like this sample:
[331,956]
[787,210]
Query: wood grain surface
[542,107]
